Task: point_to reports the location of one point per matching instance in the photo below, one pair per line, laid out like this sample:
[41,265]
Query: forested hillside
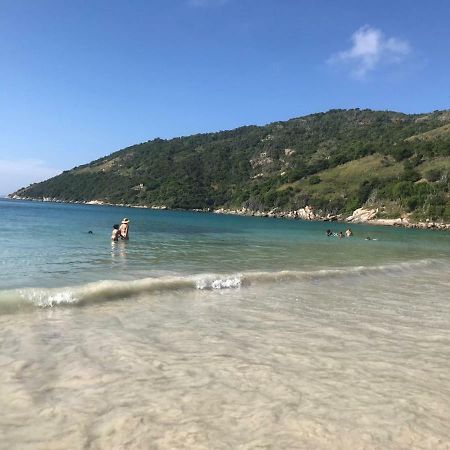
[334,161]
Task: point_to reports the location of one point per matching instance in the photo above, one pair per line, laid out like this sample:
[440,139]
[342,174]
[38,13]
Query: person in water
[124,228]
[329,232]
[348,232]
[115,233]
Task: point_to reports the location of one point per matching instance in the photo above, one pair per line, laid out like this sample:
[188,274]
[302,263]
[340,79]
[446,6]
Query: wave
[19,300]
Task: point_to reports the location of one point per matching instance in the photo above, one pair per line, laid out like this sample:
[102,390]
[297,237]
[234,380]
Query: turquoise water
[219,332]
[48,245]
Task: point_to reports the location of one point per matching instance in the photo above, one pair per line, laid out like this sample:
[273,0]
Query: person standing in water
[124,227]
[115,233]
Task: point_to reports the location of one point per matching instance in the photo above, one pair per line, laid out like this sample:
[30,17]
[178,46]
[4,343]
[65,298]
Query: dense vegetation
[334,161]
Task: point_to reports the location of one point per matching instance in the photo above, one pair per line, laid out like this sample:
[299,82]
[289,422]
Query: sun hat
[125,220]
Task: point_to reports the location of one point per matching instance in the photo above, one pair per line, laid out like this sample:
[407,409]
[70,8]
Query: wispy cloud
[15,174]
[370,49]
[205,3]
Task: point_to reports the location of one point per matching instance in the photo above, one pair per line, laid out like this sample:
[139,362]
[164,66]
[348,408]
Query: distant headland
[378,167]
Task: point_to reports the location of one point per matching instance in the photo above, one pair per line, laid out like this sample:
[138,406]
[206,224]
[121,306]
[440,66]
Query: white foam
[209,281]
[46,298]
[106,290]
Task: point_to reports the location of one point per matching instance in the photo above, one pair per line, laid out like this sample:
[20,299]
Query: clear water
[208,331]
[48,245]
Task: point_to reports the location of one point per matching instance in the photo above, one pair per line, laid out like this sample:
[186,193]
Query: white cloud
[204,3]
[370,48]
[15,174]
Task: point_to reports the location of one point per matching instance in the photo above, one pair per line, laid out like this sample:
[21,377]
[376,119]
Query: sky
[80,79]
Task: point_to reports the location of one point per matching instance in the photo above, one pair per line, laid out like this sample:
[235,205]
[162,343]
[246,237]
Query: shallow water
[220,332]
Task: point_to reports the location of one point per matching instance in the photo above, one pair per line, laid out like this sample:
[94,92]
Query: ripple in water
[314,362]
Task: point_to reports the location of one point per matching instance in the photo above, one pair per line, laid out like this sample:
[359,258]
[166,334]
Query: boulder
[362,215]
[306,213]
[289,152]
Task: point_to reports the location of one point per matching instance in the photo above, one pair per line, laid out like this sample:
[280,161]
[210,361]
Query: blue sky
[80,79]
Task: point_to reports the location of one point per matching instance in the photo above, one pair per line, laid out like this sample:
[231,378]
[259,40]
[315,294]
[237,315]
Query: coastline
[359,216]
[155,320]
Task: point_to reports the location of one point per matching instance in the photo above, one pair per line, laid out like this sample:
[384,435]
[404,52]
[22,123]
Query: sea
[208,331]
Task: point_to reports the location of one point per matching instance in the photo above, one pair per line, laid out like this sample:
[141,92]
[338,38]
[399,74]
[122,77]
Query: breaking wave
[19,300]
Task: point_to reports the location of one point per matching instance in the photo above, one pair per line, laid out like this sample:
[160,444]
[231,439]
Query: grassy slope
[333,161]
[344,180]
[440,132]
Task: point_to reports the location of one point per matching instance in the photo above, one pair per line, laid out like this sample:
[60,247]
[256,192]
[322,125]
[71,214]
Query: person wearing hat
[124,229]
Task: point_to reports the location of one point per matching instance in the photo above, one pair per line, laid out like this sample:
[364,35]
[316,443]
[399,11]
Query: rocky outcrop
[306,213]
[362,215]
[262,160]
[369,216]
[95,202]
[430,225]
[289,152]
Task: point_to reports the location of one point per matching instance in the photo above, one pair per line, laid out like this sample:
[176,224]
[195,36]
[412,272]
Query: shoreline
[359,216]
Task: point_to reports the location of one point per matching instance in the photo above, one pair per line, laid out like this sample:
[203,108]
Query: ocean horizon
[218,331]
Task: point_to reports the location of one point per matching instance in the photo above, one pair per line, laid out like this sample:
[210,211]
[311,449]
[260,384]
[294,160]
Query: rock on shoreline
[90,202]
[359,215]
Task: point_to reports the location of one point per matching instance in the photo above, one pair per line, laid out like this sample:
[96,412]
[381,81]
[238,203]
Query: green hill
[334,161]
